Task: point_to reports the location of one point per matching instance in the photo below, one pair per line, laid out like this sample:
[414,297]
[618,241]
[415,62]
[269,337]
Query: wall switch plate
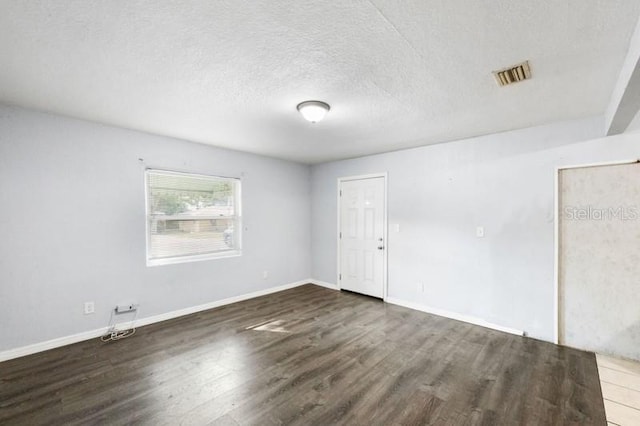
[480,231]
[265,275]
[397,227]
[89,308]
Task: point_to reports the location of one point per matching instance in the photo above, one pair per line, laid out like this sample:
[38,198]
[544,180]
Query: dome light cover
[313,111]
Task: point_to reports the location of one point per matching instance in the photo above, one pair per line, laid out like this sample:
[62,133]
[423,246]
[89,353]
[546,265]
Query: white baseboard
[51,344]
[193,309]
[86,335]
[92,334]
[324,284]
[453,315]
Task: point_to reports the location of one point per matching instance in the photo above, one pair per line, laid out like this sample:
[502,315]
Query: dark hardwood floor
[308,356]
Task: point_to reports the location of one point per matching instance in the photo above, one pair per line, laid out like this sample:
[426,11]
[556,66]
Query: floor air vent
[513,74]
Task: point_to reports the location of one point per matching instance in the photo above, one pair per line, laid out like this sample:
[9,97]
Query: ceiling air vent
[513,74]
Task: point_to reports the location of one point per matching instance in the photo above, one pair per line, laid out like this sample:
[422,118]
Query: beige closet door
[599,259]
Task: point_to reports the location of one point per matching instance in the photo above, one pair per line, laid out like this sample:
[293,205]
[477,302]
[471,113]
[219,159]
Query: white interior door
[362,236]
[599,259]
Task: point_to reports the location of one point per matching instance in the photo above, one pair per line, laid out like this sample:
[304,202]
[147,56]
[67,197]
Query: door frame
[385,232]
[556,235]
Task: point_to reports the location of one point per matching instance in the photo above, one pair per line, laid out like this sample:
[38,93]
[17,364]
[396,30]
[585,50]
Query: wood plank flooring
[305,356]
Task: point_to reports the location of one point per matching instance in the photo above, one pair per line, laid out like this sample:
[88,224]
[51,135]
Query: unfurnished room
[366,212]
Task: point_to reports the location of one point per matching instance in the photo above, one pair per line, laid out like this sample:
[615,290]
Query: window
[191,217]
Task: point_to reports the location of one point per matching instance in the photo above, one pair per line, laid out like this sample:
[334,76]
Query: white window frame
[237,233]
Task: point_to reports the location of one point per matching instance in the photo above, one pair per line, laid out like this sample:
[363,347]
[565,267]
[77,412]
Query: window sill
[195,258]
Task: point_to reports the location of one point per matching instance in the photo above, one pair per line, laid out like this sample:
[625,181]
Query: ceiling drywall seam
[395,28]
[408,43]
[625,98]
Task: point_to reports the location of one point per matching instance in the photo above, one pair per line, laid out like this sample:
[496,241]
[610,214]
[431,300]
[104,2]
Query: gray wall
[72,222]
[438,195]
[72,225]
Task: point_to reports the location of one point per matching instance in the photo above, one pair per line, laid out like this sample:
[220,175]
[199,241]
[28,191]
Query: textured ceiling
[397,73]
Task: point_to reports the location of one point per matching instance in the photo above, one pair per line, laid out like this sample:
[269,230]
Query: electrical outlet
[265,275]
[126,308]
[89,308]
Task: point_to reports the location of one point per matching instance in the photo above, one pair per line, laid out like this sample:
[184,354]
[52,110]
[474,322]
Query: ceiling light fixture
[313,111]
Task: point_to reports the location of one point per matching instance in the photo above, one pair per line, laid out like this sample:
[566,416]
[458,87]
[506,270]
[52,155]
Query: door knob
[380,247]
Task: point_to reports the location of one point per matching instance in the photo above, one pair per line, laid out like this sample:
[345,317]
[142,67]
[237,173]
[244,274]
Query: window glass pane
[190,215]
[169,238]
[184,195]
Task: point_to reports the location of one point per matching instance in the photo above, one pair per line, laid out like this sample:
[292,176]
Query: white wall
[72,225]
[438,195]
